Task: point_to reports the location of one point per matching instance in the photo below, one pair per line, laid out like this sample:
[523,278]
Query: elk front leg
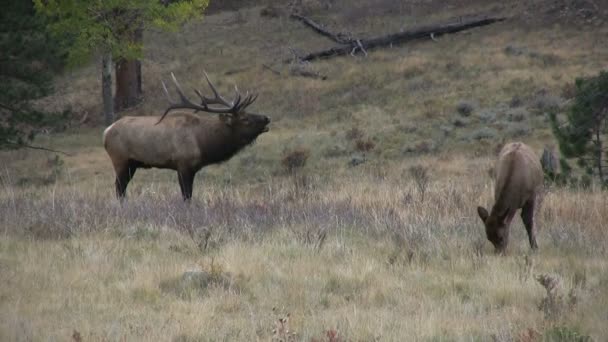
[527,215]
[186,180]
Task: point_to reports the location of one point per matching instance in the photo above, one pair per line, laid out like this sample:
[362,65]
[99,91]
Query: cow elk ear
[483,213]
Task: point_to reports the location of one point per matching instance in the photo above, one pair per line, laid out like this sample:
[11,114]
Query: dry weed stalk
[281,331]
[554,305]
[421,178]
[315,240]
[526,267]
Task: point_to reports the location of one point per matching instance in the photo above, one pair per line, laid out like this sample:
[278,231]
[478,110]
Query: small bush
[421,178]
[545,59]
[512,50]
[271,11]
[487,116]
[465,108]
[516,101]
[295,160]
[331,335]
[543,101]
[364,145]
[565,334]
[517,115]
[518,130]
[335,151]
[421,147]
[460,122]
[484,133]
[354,134]
[281,332]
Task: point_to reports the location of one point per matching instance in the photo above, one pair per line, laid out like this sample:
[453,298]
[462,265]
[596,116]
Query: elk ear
[227,119]
[483,213]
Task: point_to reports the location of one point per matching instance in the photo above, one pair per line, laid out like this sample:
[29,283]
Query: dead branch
[338,38]
[32,147]
[426,32]
[267,67]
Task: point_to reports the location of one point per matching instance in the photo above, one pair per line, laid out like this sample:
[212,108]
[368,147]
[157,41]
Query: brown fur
[184,142]
[519,181]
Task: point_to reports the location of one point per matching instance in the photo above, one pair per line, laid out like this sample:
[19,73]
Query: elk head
[232,113]
[497,227]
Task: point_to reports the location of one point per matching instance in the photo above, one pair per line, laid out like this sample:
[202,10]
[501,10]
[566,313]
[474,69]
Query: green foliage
[89,27]
[28,61]
[565,334]
[583,136]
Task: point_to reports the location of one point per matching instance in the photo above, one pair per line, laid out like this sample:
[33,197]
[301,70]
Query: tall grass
[389,257]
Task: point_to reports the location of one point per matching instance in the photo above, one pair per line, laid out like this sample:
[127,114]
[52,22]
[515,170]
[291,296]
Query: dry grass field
[376,238]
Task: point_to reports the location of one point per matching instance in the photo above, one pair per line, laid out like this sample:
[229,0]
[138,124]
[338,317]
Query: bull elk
[183,141]
[519,181]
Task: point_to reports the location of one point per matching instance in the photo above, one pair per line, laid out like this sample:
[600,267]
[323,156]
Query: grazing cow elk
[519,180]
[184,142]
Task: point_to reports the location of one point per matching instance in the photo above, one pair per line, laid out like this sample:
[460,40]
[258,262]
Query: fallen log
[339,38]
[430,32]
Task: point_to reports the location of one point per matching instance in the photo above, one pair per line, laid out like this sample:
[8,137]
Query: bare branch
[338,38]
[400,37]
[32,147]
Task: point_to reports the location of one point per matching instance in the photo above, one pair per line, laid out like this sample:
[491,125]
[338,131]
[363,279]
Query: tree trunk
[128,84]
[600,152]
[106,88]
[128,79]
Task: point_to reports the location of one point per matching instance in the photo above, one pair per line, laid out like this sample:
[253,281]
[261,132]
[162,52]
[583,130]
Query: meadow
[373,236]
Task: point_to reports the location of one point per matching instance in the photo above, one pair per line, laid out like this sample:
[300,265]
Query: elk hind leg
[124,174]
[527,216]
[186,181]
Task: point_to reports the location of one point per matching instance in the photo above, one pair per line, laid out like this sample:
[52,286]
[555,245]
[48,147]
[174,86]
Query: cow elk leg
[124,174]
[527,215]
[186,180]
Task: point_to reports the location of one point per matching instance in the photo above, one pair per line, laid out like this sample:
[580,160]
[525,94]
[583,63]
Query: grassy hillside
[360,244]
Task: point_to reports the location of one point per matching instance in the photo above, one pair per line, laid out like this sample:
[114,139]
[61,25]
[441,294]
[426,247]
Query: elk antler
[235,107]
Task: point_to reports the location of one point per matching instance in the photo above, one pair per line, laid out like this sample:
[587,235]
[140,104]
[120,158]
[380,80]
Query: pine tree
[583,136]
[28,61]
[111,29]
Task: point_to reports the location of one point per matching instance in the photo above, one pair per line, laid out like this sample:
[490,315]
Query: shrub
[518,130]
[517,115]
[465,108]
[421,147]
[420,175]
[484,133]
[460,122]
[512,50]
[295,160]
[543,101]
[487,116]
[354,134]
[565,334]
[364,145]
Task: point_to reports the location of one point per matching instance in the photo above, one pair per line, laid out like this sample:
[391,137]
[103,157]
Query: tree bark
[106,88]
[128,79]
[600,152]
[128,84]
